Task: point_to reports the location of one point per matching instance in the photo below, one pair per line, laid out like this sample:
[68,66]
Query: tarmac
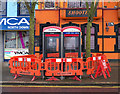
[8,78]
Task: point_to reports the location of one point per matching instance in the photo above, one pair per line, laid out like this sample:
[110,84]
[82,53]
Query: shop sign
[14,23]
[78,13]
[15,52]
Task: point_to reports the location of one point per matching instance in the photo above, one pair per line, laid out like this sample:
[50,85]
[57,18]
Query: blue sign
[71,33]
[14,23]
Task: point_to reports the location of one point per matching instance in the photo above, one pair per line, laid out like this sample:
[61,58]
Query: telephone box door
[71,42]
[51,42]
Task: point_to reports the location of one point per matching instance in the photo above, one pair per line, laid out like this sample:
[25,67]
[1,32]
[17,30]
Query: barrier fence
[33,65]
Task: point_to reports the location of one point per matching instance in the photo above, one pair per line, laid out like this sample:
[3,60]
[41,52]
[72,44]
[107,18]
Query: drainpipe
[59,18]
[102,29]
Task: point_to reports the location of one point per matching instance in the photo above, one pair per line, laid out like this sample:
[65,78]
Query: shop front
[15,36]
[104,30]
[69,17]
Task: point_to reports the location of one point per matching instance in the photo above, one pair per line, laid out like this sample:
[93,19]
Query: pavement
[7,78]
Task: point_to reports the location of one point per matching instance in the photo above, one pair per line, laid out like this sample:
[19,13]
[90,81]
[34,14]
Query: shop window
[92,37]
[23,38]
[3,7]
[22,9]
[16,39]
[78,3]
[49,3]
[10,39]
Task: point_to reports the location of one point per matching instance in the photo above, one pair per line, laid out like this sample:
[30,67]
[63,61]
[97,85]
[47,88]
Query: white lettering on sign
[71,30]
[8,21]
[12,27]
[23,20]
[3,20]
[16,22]
[52,30]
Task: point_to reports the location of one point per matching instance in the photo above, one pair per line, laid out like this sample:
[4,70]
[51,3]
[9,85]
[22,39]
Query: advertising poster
[15,52]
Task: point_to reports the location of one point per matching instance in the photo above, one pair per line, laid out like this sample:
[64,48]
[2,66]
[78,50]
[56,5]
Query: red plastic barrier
[106,60]
[91,65]
[102,67]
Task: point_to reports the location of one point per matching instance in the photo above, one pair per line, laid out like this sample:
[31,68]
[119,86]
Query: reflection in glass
[49,4]
[23,9]
[10,39]
[71,43]
[92,42]
[2,7]
[52,44]
[119,38]
[23,38]
[119,42]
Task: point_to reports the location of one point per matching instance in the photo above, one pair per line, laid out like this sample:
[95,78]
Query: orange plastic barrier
[33,65]
[53,66]
[74,66]
[25,65]
[64,67]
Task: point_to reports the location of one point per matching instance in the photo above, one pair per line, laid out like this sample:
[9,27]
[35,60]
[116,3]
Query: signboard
[14,23]
[78,13]
[52,29]
[15,52]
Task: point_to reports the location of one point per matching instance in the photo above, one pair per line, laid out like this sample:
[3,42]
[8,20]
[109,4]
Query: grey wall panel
[1,47]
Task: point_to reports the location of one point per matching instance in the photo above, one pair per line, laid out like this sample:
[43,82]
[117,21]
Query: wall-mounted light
[107,28]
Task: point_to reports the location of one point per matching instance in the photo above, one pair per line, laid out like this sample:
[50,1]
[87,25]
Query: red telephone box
[51,42]
[71,42]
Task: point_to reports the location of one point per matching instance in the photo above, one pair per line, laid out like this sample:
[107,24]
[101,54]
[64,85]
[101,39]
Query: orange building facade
[105,31]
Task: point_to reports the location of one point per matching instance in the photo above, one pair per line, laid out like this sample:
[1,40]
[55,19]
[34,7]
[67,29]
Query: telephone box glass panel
[52,44]
[71,44]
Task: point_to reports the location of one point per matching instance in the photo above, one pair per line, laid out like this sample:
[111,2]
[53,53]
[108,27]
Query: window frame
[73,7]
[18,11]
[50,7]
[5,10]
[116,29]
[96,46]
[91,35]
[78,7]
